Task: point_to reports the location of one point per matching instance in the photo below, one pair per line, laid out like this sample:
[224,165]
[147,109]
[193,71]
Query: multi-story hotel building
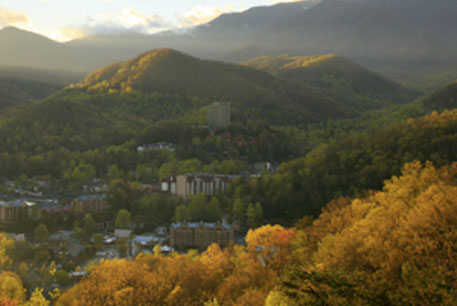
[15,211]
[90,203]
[200,235]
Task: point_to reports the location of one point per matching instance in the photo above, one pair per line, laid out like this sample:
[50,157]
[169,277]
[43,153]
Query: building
[169,185]
[168,146]
[122,233]
[90,203]
[200,235]
[15,211]
[187,185]
[219,115]
[17,237]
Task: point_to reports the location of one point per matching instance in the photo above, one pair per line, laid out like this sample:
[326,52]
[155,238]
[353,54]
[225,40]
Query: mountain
[338,77]
[249,90]
[20,85]
[155,94]
[443,98]
[27,49]
[117,103]
[401,39]
[16,93]
[404,40]
[53,77]
[364,30]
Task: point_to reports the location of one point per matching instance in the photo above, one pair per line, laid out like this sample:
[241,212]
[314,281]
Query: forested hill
[16,92]
[340,78]
[113,104]
[352,165]
[249,90]
[21,85]
[443,98]
[53,77]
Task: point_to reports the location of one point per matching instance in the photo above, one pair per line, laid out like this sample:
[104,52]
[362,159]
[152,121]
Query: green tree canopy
[123,219]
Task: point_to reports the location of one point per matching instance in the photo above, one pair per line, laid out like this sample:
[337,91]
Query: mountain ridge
[167,70]
[29,49]
[338,76]
[399,36]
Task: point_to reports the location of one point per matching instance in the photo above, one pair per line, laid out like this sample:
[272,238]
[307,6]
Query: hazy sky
[67,19]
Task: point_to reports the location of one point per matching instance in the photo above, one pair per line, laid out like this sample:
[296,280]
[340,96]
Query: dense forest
[392,246]
[346,81]
[351,165]
[18,92]
[363,164]
[115,108]
[335,260]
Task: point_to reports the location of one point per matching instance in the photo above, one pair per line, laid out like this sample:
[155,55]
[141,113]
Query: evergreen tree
[123,219]
[182,213]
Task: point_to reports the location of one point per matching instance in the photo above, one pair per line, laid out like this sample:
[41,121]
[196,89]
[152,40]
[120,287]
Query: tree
[37,299]
[168,169]
[254,215]
[78,175]
[212,302]
[98,240]
[258,213]
[77,230]
[47,273]
[122,246]
[11,287]
[6,247]
[250,216]
[122,195]
[89,224]
[214,210]
[115,173]
[272,245]
[123,219]
[182,213]
[23,271]
[41,256]
[238,211]
[41,233]
[277,298]
[62,277]
[189,166]
[198,208]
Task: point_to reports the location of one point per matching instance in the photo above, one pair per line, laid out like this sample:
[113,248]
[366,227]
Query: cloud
[9,17]
[127,20]
[287,1]
[67,33]
[203,13]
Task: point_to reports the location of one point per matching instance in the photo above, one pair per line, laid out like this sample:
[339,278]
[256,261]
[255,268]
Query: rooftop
[210,175]
[16,203]
[87,198]
[200,224]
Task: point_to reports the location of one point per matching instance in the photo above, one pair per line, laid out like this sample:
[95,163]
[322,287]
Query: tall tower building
[219,115]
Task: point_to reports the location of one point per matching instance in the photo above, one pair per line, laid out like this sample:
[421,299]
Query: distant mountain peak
[160,53]
[10,29]
[17,37]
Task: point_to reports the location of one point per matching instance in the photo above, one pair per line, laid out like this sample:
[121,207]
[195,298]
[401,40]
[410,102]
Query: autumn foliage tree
[397,246]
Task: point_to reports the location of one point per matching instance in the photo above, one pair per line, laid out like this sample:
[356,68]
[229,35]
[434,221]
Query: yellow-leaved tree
[11,289]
